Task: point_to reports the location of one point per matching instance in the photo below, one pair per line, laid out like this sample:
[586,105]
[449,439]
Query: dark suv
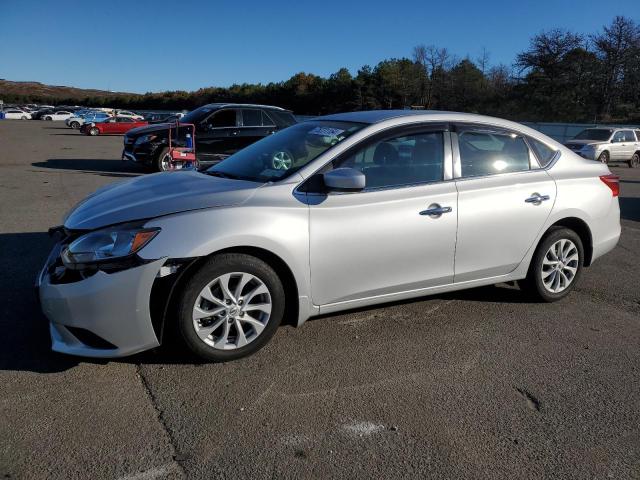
[221,129]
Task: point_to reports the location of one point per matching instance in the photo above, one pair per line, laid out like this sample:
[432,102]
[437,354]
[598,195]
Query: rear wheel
[230,308]
[93,131]
[634,162]
[23,118]
[74,125]
[48,118]
[604,157]
[556,265]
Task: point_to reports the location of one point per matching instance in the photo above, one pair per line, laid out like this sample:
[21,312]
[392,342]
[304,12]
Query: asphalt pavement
[473,384]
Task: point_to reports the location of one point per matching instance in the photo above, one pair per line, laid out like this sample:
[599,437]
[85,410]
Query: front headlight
[146,138]
[105,245]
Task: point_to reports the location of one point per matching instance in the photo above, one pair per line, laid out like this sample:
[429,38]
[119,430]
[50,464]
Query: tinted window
[282,118]
[223,118]
[406,160]
[251,118]
[618,137]
[490,153]
[601,134]
[124,120]
[628,136]
[266,120]
[543,152]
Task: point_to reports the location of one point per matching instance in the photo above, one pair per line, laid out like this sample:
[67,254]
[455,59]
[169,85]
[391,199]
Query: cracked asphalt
[474,384]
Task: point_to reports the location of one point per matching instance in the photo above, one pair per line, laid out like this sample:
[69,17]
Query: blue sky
[144,45]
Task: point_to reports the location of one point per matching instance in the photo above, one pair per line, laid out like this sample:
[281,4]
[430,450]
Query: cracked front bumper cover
[114,307]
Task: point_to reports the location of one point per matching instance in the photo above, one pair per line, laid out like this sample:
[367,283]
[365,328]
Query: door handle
[235,132]
[435,210]
[537,199]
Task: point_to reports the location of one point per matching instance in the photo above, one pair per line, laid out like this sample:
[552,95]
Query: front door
[217,136]
[504,200]
[398,234]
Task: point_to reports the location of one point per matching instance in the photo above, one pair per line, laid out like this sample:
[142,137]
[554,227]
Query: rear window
[543,152]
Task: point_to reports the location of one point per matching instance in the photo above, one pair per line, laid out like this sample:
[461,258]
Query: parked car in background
[38,114]
[57,115]
[76,121]
[608,145]
[163,117]
[221,130]
[111,126]
[127,113]
[288,224]
[16,114]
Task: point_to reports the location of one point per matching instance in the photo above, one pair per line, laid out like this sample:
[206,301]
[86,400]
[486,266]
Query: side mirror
[344,180]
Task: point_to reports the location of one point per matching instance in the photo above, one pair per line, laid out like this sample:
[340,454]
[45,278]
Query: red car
[112,126]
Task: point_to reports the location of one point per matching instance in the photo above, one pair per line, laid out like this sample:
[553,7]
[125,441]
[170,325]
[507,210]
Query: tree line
[562,76]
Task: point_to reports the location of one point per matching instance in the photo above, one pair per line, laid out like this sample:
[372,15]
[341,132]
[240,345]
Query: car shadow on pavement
[630,208]
[24,332]
[109,167]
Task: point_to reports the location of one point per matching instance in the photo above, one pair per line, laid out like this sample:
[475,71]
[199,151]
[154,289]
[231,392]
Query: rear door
[122,124]
[252,128]
[504,199]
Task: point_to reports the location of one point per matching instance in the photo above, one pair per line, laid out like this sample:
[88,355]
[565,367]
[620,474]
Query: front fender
[281,230]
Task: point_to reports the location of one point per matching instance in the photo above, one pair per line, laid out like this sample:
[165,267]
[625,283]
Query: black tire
[533,285]
[48,119]
[634,161]
[74,125]
[93,131]
[212,269]
[23,118]
[604,157]
[160,164]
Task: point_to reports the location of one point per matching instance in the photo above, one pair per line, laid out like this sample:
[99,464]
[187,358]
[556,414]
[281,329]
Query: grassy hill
[25,91]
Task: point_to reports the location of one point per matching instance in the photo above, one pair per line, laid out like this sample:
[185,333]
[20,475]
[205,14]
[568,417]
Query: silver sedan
[338,212]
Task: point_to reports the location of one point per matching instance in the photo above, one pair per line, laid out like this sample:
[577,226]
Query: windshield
[594,134]
[194,116]
[278,156]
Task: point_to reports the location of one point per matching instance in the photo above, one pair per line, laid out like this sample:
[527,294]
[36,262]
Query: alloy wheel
[232,310]
[560,265]
[281,161]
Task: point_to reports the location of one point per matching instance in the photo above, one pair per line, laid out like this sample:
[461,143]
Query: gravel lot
[475,384]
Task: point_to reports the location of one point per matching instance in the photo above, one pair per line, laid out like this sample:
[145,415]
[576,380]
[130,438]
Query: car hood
[156,195]
[151,128]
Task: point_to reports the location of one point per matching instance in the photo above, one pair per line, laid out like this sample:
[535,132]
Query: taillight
[613,182]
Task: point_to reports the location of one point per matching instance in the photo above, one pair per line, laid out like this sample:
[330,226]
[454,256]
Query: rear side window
[251,118]
[628,136]
[543,152]
[266,120]
[490,153]
[283,119]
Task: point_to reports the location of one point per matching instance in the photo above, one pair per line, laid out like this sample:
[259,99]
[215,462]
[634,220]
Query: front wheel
[604,157]
[163,161]
[230,308]
[634,162]
[48,119]
[94,131]
[556,265]
[23,118]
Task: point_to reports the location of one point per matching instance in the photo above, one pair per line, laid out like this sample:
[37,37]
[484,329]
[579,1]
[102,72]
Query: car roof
[245,105]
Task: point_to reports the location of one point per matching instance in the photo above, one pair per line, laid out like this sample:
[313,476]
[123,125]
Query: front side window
[403,160]
[279,155]
[222,119]
[490,153]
